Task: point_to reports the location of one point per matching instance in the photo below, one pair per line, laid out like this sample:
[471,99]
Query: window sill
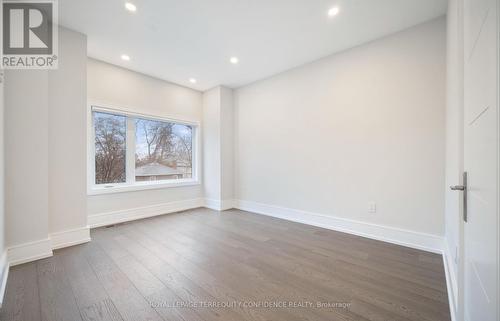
[141,186]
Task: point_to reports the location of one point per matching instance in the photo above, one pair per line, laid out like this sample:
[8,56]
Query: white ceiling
[180,39]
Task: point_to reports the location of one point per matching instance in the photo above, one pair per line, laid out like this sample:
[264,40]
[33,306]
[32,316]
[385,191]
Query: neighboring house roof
[179,162]
[156,169]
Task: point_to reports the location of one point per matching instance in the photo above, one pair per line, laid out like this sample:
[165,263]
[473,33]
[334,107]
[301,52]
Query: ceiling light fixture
[333,11]
[192,80]
[234,60]
[130,7]
[126,57]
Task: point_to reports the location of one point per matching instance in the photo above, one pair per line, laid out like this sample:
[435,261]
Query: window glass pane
[110,136]
[163,150]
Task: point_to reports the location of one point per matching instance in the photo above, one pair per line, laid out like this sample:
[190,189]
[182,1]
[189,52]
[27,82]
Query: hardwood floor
[202,265]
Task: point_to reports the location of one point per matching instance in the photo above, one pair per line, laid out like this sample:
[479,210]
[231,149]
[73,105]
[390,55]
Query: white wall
[67,135]
[3,249]
[26,156]
[360,126]
[211,144]
[218,147]
[112,86]
[227,144]
[45,154]
[2,167]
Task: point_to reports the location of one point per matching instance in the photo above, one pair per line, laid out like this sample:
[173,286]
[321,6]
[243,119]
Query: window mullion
[130,158]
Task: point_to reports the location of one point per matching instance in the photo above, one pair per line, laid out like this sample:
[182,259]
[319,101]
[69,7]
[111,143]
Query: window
[131,152]
[110,140]
[163,150]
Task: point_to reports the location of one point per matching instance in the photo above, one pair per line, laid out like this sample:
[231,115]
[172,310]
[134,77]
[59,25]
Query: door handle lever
[464,189]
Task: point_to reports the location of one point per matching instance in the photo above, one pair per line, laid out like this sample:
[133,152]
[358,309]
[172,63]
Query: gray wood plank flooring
[201,265]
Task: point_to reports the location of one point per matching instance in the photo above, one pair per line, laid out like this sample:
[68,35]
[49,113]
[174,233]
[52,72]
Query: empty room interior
[236,160]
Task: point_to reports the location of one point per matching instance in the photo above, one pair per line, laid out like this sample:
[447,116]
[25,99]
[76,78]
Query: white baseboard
[36,250]
[219,205]
[70,237]
[212,204]
[451,280]
[4,269]
[417,240]
[116,217]
[32,251]
[43,248]
[28,252]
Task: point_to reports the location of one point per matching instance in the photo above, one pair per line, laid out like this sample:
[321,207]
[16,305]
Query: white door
[481,152]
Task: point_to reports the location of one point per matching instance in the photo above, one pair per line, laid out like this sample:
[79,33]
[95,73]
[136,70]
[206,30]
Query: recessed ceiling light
[130,7]
[125,57]
[192,80]
[234,60]
[333,11]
